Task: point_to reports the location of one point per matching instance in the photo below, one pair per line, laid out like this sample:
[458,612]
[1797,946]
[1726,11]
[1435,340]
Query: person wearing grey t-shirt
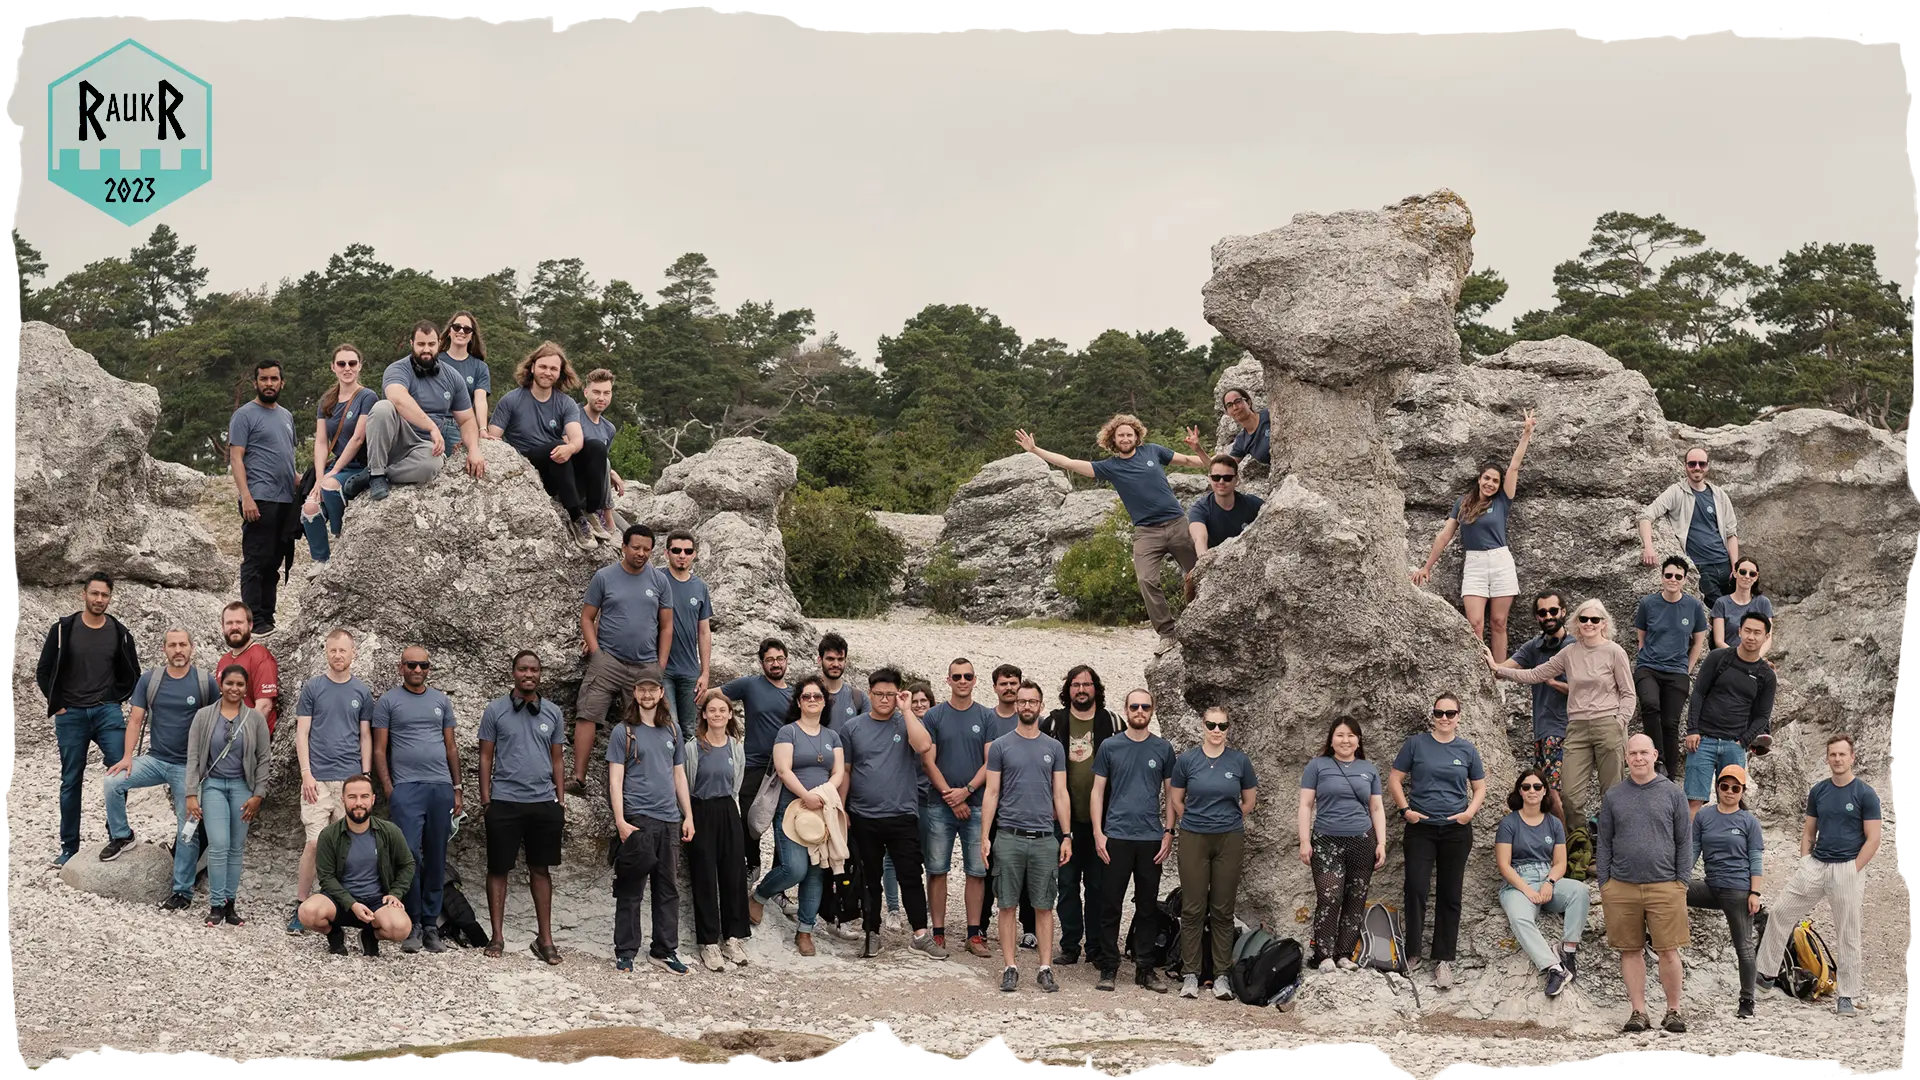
[260,450]
[332,740]
[1213,787]
[689,664]
[1530,851]
[425,407]
[626,626]
[1438,783]
[418,761]
[1023,817]
[539,419]
[1343,840]
[1132,832]
[716,762]
[1670,629]
[806,755]
[652,808]
[521,737]
[886,751]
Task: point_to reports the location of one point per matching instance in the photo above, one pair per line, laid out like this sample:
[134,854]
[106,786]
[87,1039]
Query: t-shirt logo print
[1153,763]
[896,738]
[1457,761]
[1047,759]
[544,728]
[976,729]
[447,394]
[436,711]
[1849,808]
[1229,776]
[190,699]
[1685,621]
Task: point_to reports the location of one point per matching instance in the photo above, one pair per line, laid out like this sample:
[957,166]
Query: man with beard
[1081,724]
[263,671]
[364,868]
[1550,697]
[260,441]
[418,762]
[765,697]
[1021,818]
[521,739]
[164,703]
[841,901]
[426,410]
[540,420]
[1132,834]
[1004,718]
[88,667]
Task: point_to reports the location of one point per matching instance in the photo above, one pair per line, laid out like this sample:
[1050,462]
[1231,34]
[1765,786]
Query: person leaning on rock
[1132,818]
[363,867]
[1731,708]
[1550,697]
[418,762]
[1222,513]
[332,740]
[1137,471]
[1255,438]
[1024,816]
[260,454]
[164,703]
[426,410]
[88,667]
[521,738]
[1642,853]
[1670,629]
[885,748]
[626,626]
[690,662]
[1488,580]
[1703,515]
[540,419]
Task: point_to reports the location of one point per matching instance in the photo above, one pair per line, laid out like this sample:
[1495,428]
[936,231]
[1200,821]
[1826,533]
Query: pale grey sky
[1069,183]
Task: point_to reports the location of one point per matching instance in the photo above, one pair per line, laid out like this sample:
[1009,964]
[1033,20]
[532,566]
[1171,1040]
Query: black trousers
[750,783]
[260,558]
[1128,860]
[645,863]
[1733,903]
[578,484]
[717,862]
[1663,708]
[876,839]
[1431,845]
[1081,873]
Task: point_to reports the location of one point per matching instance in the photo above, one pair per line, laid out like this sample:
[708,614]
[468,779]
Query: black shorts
[511,826]
[345,919]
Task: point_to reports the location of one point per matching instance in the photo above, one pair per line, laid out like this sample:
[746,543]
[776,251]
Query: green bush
[948,583]
[1097,575]
[840,562]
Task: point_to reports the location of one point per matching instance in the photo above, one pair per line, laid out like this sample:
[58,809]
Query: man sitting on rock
[521,736]
[1643,853]
[1137,471]
[164,702]
[364,867]
[427,409]
[540,420]
[595,399]
[626,627]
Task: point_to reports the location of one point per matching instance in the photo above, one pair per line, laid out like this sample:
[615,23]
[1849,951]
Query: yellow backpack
[1808,972]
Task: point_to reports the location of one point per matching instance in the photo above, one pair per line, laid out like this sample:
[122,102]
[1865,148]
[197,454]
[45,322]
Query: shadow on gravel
[714,1047]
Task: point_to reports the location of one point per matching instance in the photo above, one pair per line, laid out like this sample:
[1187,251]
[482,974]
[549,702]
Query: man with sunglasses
[1223,513]
[418,762]
[886,749]
[260,448]
[1703,515]
[950,803]
[1550,697]
[1731,707]
[425,411]
[1643,853]
[690,660]
[626,626]
[1670,631]
[1132,820]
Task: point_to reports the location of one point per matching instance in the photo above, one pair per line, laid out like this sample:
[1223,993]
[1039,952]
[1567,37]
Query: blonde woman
[716,761]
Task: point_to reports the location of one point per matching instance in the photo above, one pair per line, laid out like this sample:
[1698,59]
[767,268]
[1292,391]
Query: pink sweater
[1599,681]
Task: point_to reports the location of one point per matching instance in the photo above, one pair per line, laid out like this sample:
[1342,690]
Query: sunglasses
[417,665]
[1533,787]
[813,697]
[1696,464]
[1746,573]
[1593,619]
[1445,714]
[968,677]
[680,551]
[1222,478]
[1214,725]
[460,328]
[1546,612]
[1731,785]
[1673,577]
[1139,706]
[346,363]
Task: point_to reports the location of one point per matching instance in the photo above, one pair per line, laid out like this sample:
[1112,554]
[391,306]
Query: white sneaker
[845,931]
[894,920]
[1190,986]
[1345,964]
[1326,966]
[788,907]
[734,950]
[1442,975]
[710,958]
[1221,990]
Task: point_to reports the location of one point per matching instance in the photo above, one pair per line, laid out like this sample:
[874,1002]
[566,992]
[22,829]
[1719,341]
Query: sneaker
[1762,743]
[1326,966]
[1009,980]
[624,963]
[1844,1007]
[1779,983]
[177,902]
[671,962]
[583,535]
[60,860]
[577,787]
[1221,991]
[844,931]
[734,951]
[602,531]
[894,920]
[1636,1023]
[263,629]
[115,845]
[294,926]
[710,958]
[1160,647]
[1028,941]
[1067,959]
[1556,980]
[871,948]
[1046,983]
[977,945]
[337,941]
[231,916]
[1345,964]
[1673,1023]
[430,940]
[787,907]
[1106,981]
[216,915]
[1745,1012]
[1443,975]
[1190,986]
[412,942]
[1571,962]
[369,942]
[378,488]
[930,945]
[940,938]
[1153,983]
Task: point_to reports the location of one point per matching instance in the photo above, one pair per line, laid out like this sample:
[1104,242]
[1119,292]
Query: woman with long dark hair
[806,754]
[339,450]
[1343,839]
[716,761]
[1488,580]
[1731,608]
[1726,837]
[1448,784]
[1530,850]
[229,766]
[463,351]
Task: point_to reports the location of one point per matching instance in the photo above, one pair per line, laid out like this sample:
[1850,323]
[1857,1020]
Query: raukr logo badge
[129,131]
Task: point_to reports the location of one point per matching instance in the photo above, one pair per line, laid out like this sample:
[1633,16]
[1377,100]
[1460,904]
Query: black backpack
[457,919]
[1266,968]
[1153,941]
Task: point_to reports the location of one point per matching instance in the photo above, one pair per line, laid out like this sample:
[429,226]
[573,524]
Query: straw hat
[805,827]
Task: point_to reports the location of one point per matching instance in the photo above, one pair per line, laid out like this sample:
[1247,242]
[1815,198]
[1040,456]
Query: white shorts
[1490,573]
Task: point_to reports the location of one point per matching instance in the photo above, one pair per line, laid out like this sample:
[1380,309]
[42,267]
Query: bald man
[1642,853]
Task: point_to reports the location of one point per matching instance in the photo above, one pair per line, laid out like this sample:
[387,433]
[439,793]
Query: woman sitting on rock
[717,855]
[652,808]
[806,754]
[1488,580]
[339,451]
[1448,785]
[1343,838]
[229,764]
[1212,788]
[1726,836]
[1530,849]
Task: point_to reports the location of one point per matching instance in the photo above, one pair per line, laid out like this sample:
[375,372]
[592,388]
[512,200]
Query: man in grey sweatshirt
[1642,853]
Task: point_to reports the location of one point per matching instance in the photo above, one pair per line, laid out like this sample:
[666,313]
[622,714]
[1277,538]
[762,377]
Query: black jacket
[1058,725]
[126,662]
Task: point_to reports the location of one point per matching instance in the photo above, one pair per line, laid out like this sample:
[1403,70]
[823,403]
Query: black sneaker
[115,845]
[1067,959]
[177,902]
[369,943]
[263,629]
[1571,962]
[233,917]
[1745,1011]
[1045,981]
[337,941]
[1009,980]
[1106,981]
[1556,981]
[1637,1023]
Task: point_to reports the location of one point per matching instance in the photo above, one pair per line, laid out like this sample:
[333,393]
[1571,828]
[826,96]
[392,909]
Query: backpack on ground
[1808,972]
[1383,945]
[1266,967]
[1580,853]
[458,922]
[1170,921]
[1151,942]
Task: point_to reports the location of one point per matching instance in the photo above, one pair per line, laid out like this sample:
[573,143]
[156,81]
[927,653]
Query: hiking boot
[734,951]
[930,945]
[216,915]
[1636,1023]
[602,530]
[176,902]
[710,958]
[1221,991]
[1106,981]
[624,963]
[1009,980]
[1443,975]
[1673,1023]
[369,942]
[1745,1011]
[378,488]
[1190,986]
[430,940]
[803,943]
[670,962]
[583,535]
[977,945]
[1028,941]
[577,787]
[412,942]
[1067,959]
[871,948]
[115,845]
[1152,982]
[337,941]
[232,916]
[1556,980]
[1844,1007]
[1046,983]
[1326,966]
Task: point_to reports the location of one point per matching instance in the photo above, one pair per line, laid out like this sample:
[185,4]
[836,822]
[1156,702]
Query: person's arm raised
[1512,481]
[1058,461]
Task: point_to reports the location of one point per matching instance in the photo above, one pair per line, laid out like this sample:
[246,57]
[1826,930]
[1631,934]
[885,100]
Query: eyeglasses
[1445,714]
[1223,478]
[968,677]
[1593,619]
[346,363]
[813,697]
[1533,787]
[1682,576]
[1546,612]
[883,695]
[1214,725]
[1231,402]
[417,665]
[1139,706]
[1082,684]
[460,328]
[679,551]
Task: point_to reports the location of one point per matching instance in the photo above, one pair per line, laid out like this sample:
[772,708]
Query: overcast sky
[1068,183]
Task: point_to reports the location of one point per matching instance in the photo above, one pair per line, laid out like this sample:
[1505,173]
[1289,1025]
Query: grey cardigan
[738,750]
[259,749]
[1677,502]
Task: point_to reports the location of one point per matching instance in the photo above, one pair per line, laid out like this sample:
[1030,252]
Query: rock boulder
[1012,523]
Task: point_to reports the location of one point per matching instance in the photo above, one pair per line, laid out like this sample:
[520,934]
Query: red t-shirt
[263,677]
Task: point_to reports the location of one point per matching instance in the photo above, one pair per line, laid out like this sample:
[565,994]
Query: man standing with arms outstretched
[1023,817]
[88,667]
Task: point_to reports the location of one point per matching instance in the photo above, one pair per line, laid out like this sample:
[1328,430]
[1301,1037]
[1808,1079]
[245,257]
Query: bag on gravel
[1382,945]
[1150,941]
[1265,967]
[1808,972]
[457,919]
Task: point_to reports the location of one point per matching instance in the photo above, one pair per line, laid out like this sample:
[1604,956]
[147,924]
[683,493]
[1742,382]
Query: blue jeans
[149,771]
[221,801]
[424,813]
[75,729]
[1569,900]
[680,702]
[791,866]
[1705,763]
[333,511]
[890,881]
[938,827]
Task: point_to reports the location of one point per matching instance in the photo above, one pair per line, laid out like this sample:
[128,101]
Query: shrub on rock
[1097,575]
[840,562]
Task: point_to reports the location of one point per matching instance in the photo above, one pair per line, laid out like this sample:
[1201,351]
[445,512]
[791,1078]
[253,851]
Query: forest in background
[1722,339]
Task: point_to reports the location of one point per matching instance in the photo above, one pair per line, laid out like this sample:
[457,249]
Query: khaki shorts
[324,811]
[1636,912]
[605,685]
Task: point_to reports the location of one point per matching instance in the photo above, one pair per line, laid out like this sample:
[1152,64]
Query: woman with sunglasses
[1733,607]
[1343,839]
[463,351]
[716,761]
[229,765]
[1530,850]
[1212,788]
[1488,580]
[652,807]
[1449,783]
[339,451]
[806,754]
[1726,837]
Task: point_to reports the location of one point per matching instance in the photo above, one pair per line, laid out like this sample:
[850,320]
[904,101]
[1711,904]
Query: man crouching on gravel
[363,868]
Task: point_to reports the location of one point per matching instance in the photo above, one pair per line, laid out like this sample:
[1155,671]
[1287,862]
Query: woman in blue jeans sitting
[1530,849]
[339,451]
[228,767]
[806,754]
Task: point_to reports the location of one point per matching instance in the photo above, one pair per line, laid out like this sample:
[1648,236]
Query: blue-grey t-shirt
[267,435]
[1026,767]
[1135,772]
[1488,532]
[960,738]
[692,605]
[1670,628]
[1731,845]
[1141,481]
[646,787]
[1734,611]
[1549,705]
[523,745]
[1703,532]
[1256,444]
[713,776]
[333,742]
[1840,815]
[1224,525]
[416,750]
[1531,843]
[812,755]
[171,717]
[1213,786]
[530,425]
[341,420]
[1343,794]
[844,704]
[766,706]
[602,430]
[222,762]
[629,604]
[439,396]
[883,765]
[1439,774]
[473,371]
[361,874]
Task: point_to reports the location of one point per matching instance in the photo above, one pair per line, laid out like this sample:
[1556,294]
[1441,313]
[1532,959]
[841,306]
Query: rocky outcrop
[1011,524]
[920,535]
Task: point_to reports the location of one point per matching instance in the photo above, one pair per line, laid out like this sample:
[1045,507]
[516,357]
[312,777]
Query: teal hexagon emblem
[129,131]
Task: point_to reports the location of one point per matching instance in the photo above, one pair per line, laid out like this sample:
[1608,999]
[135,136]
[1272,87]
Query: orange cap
[1738,773]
